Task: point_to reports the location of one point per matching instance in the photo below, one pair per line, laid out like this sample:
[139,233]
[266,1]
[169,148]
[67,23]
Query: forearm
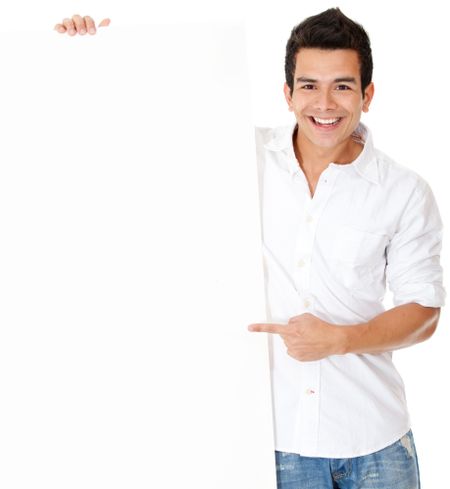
[399,327]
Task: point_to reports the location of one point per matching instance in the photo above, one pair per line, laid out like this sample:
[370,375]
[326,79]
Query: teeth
[325,121]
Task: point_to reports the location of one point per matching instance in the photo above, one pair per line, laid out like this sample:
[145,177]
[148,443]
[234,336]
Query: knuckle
[295,355]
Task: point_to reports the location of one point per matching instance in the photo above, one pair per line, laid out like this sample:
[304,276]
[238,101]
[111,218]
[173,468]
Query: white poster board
[130,263]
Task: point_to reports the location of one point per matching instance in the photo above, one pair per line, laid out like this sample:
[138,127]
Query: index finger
[268,328]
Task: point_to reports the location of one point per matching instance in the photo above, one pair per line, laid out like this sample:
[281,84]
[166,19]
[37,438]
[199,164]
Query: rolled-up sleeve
[413,271]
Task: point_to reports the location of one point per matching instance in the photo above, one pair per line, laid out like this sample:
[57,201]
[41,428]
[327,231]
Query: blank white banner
[130,263]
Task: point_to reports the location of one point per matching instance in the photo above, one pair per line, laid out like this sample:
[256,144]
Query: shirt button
[309,219]
[301,263]
[306,303]
[310,391]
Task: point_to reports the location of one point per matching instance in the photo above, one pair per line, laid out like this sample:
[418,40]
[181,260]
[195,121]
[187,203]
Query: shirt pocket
[359,257]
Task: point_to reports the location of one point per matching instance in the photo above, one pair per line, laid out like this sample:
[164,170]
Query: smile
[326,122]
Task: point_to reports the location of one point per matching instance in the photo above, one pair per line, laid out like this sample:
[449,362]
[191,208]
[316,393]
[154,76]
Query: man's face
[326,98]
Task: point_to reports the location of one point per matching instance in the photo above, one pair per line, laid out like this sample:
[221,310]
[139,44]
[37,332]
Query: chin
[326,143]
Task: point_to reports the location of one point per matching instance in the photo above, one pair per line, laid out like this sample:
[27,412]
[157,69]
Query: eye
[307,87]
[343,87]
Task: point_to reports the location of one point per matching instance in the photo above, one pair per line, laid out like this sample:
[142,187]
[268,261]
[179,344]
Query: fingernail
[72,32]
[83,31]
[91,30]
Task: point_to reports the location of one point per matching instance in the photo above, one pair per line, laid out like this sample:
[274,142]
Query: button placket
[302,266]
[308,422]
[304,248]
[313,209]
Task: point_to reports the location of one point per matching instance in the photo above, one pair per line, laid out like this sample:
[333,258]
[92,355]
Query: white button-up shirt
[370,222]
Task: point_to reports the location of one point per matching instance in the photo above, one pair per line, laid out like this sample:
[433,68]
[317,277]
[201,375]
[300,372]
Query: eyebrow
[346,79]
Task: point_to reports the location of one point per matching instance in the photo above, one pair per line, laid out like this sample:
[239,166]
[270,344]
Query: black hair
[330,29]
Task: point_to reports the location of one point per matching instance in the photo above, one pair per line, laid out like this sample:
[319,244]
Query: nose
[324,101]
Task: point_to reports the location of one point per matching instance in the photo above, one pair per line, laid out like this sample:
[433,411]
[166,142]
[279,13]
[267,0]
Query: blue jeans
[393,467]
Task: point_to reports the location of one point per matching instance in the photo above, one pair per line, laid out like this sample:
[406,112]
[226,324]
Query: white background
[409,119]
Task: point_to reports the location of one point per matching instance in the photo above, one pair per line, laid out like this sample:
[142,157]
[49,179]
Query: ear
[287,96]
[368,95]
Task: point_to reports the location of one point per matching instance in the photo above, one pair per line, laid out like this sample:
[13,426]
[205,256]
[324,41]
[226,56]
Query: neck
[313,160]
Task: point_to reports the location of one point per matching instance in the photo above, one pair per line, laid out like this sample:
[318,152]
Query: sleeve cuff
[427,295]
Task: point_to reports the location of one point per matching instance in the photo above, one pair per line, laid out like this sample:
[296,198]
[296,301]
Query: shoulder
[273,137]
[264,132]
[395,175]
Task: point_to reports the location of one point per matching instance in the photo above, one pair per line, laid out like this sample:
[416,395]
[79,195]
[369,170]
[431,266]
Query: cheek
[301,110]
[299,104]
[356,105]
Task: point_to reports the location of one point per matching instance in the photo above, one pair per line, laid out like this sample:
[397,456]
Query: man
[339,219]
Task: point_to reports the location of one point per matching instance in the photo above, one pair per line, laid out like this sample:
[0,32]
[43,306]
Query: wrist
[348,337]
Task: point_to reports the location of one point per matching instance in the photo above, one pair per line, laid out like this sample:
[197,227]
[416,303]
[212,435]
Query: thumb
[104,23]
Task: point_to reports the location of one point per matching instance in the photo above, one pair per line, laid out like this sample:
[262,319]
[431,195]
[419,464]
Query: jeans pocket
[407,442]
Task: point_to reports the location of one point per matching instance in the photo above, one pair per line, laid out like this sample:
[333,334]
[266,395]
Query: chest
[347,216]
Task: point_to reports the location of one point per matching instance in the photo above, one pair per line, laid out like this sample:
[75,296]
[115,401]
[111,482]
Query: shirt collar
[365,164]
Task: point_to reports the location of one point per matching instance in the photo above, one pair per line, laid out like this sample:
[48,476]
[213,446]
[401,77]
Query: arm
[399,327]
[414,275]
[309,338]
